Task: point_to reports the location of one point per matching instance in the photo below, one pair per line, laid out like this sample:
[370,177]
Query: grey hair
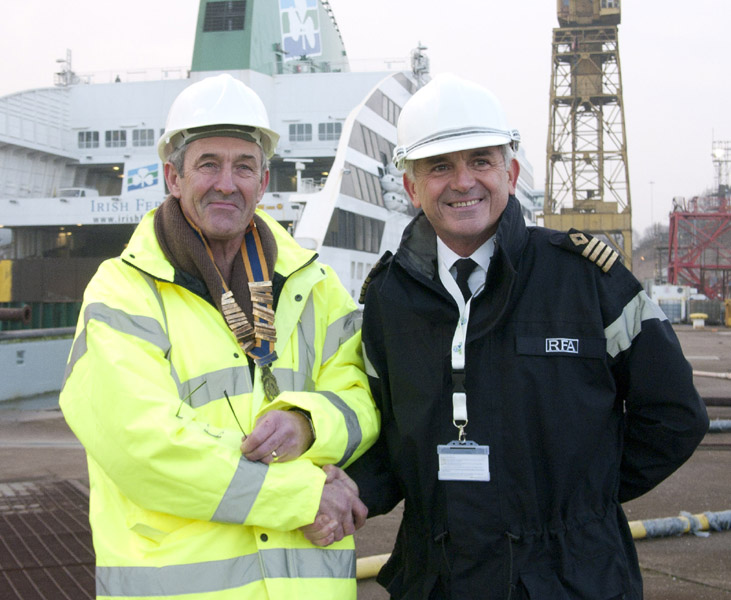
[506,150]
[177,159]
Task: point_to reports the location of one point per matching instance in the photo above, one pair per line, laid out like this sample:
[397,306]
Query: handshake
[341,512]
[280,436]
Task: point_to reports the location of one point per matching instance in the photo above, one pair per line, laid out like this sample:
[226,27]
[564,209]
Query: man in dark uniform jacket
[523,396]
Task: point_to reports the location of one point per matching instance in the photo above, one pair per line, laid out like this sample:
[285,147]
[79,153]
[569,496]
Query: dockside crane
[587,178]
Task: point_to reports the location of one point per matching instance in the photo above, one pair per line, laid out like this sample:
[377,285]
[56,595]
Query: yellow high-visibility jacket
[175,510]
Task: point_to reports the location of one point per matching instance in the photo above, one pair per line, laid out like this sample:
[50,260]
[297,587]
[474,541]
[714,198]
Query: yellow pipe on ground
[669,526]
[711,374]
[684,523]
[369,566]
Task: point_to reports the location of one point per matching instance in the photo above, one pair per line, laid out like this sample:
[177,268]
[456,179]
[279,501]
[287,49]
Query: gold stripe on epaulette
[589,247]
[604,256]
[610,261]
[596,251]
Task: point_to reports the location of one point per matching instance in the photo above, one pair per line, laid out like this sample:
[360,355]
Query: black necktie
[464,267]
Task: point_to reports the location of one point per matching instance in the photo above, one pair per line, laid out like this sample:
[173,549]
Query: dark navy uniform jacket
[576,382]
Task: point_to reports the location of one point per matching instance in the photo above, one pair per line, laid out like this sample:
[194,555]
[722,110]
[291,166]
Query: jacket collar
[417,254]
[418,249]
[512,233]
[144,253]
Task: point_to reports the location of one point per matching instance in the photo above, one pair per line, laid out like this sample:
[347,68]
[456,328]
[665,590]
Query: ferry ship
[79,167]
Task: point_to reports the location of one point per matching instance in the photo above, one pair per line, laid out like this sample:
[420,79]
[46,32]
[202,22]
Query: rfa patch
[562,345]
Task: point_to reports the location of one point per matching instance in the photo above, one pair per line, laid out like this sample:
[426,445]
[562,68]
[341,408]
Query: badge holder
[462,460]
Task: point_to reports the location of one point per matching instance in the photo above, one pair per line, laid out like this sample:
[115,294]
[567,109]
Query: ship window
[384,106]
[300,132]
[88,139]
[329,131]
[354,232]
[116,138]
[389,110]
[143,137]
[362,185]
[369,142]
[224,16]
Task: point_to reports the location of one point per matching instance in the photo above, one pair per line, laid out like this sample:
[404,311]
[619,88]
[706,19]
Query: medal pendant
[271,389]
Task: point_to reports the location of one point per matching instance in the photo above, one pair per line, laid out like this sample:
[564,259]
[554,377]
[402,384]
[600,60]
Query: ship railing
[136,75]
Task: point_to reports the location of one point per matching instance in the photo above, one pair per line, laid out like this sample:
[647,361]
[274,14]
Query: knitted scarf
[186,251]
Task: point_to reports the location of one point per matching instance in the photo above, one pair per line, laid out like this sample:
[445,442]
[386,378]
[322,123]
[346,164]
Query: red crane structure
[699,237]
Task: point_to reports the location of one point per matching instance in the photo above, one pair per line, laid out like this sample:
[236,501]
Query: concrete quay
[37,449]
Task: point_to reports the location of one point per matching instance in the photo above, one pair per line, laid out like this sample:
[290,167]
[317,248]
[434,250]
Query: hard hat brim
[457,144]
[267,139]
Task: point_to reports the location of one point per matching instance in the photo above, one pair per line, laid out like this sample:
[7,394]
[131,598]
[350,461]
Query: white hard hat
[447,115]
[219,105]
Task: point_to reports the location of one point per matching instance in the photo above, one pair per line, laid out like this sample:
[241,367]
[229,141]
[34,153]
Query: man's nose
[225,182]
[463,179]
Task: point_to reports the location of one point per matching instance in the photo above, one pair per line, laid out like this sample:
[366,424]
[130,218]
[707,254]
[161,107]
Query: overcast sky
[675,60]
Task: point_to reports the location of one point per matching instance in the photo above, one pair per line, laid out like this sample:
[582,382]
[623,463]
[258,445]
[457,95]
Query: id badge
[464,461]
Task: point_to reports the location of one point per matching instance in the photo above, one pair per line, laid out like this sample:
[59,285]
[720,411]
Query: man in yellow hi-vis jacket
[217,384]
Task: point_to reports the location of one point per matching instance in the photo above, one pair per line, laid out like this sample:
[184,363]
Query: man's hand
[279,435]
[341,512]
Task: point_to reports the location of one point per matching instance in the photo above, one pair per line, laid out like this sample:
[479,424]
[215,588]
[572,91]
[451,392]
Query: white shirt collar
[446,257]
[481,256]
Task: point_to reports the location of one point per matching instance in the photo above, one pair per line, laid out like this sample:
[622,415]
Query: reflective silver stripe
[308,562]
[301,379]
[77,351]
[629,324]
[369,369]
[339,332]
[306,344]
[293,381]
[214,576]
[234,380]
[306,338]
[241,493]
[151,282]
[145,328]
[352,425]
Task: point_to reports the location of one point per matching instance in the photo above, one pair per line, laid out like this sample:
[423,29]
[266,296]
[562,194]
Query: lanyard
[462,460]
[459,394]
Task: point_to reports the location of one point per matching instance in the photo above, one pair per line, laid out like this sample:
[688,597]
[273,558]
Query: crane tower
[587,180]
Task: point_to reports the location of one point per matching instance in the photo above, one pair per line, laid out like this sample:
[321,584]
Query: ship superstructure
[79,168]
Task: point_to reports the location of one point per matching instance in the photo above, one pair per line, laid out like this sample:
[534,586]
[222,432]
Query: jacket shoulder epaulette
[377,268]
[588,246]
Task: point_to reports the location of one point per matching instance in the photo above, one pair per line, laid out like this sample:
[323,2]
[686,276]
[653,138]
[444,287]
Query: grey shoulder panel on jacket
[381,264]
[588,246]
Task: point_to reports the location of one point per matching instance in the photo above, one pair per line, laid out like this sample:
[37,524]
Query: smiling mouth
[222,203]
[465,203]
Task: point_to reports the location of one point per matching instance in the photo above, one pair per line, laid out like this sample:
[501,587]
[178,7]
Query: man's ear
[513,172]
[172,179]
[411,191]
